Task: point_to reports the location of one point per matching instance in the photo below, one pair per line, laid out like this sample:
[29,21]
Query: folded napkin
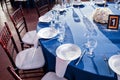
[61,66]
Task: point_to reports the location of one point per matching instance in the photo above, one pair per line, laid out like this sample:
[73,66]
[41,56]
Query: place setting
[47,33]
[114,63]
[78,3]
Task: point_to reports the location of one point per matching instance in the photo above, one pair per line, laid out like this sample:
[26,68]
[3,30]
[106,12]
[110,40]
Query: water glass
[61,31]
[91,45]
[116,3]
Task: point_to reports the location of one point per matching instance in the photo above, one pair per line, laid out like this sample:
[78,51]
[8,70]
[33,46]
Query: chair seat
[52,76]
[30,59]
[20,0]
[30,37]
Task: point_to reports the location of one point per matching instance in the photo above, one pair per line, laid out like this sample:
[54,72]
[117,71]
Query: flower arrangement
[101,15]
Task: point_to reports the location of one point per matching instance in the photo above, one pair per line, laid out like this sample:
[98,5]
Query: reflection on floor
[32,19]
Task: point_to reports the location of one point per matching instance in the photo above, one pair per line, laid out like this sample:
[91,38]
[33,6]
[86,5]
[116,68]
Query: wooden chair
[27,38]
[42,6]
[13,73]
[1,3]
[31,59]
[27,4]
[9,5]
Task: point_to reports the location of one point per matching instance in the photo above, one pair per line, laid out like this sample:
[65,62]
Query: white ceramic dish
[45,18]
[68,51]
[76,3]
[100,2]
[47,33]
[114,63]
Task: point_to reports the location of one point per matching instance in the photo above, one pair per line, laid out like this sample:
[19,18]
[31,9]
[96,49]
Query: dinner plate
[45,18]
[114,63]
[47,33]
[100,2]
[77,3]
[59,9]
[68,51]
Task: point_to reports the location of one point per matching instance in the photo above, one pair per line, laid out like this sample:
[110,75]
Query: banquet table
[108,43]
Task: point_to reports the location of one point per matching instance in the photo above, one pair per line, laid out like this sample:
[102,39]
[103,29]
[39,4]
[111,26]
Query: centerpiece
[101,15]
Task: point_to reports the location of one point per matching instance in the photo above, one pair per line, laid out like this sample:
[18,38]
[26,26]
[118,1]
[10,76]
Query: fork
[82,54]
[106,61]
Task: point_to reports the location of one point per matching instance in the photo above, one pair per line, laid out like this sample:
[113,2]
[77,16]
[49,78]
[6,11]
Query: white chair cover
[61,66]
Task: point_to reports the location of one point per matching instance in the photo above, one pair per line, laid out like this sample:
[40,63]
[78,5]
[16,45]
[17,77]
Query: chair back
[19,23]
[13,73]
[42,6]
[10,6]
[8,44]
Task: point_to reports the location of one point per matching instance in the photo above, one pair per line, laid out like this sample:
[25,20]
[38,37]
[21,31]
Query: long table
[108,43]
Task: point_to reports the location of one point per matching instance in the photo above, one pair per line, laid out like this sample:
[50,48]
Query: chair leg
[2,4]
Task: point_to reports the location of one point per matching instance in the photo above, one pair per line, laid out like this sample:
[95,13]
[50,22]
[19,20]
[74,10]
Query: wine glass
[116,3]
[91,2]
[91,45]
[61,31]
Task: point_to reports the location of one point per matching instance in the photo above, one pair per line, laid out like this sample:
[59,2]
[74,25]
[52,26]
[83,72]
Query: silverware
[82,54]
[106,61]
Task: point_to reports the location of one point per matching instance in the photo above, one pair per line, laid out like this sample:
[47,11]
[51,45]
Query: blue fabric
[88,68]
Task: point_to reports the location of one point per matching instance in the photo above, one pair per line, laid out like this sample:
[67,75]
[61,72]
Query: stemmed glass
[91,45]
[91,2]
[61,31]
[52,22]
[116,3]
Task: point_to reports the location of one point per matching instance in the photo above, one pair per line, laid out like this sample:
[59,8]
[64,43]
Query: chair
[27,60]
[54,75]
[42,6]
[27,38]
[13,73]
[8,4]
[1,3]
[20,2]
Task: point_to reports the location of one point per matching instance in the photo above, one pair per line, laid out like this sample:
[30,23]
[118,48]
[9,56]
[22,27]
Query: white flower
[101,15]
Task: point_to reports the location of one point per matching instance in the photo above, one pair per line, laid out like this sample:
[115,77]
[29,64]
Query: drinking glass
[61,31]
[116,3]
[53,15]
[91,2]
[91,45]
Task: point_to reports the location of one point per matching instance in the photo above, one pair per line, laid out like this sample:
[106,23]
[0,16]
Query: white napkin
[61,66]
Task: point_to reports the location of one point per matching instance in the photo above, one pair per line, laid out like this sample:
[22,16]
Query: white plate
[45,18]
[100,2]
[59,9]
[114,63]
[47,33]
[68,51]
[76,3]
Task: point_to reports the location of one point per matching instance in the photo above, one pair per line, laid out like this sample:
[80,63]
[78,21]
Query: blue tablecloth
[88,68]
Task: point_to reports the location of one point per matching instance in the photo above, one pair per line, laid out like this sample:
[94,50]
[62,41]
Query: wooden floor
[32,19]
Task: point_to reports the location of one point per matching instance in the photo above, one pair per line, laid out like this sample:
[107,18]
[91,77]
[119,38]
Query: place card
[113,22]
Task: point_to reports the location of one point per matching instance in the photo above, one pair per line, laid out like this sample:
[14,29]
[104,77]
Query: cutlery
[82,54]
[106,61]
